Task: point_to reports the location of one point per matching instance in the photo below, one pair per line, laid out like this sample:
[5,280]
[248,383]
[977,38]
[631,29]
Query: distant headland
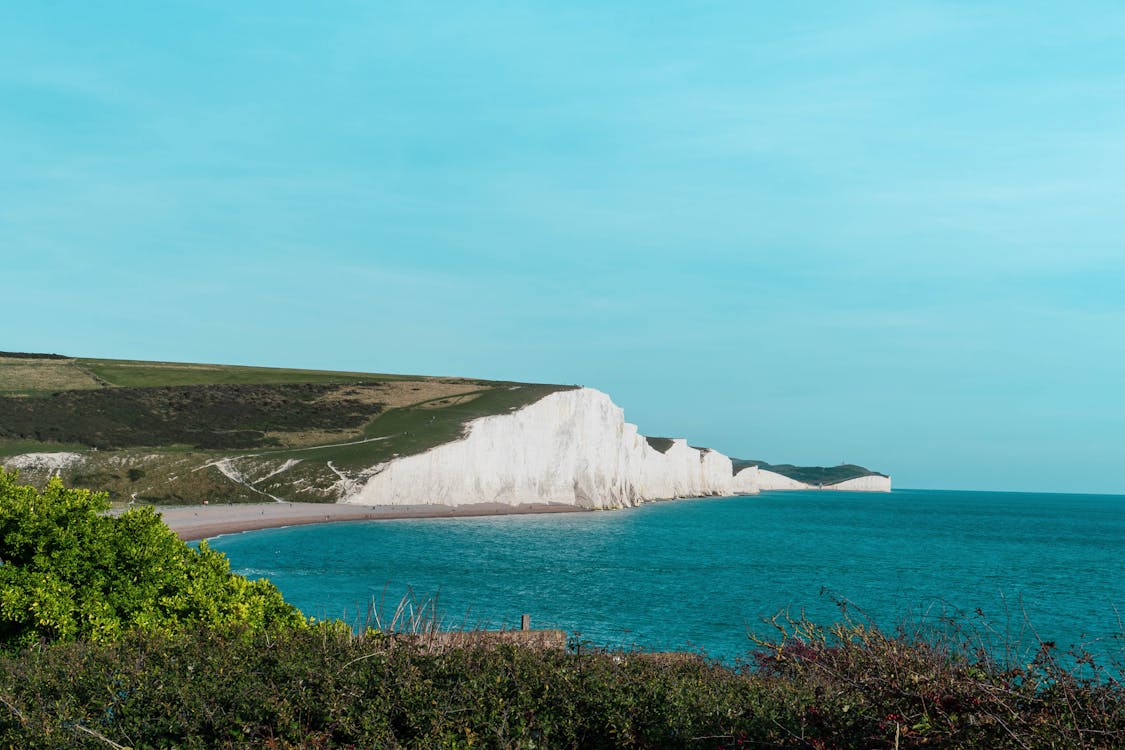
[180,434]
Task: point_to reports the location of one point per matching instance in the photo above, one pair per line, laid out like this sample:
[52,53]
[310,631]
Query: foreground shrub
[938,687]
[323,687]
[68,570]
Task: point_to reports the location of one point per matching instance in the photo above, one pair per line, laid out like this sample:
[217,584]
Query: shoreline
[194,522]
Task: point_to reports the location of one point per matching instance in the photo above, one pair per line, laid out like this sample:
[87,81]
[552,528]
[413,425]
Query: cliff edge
[174,433]
[571,447]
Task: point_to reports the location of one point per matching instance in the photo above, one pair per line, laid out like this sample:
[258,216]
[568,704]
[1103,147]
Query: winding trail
[227,469]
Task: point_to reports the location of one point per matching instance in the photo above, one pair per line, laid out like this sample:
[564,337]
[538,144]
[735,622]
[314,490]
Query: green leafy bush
[321,687]
[849,688]
[68,570]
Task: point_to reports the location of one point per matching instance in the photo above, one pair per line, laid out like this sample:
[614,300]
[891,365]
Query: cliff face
[770,480]
[747,481]
[872,483]
[572,447]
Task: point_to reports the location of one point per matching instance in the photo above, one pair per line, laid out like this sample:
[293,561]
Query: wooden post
[525,622]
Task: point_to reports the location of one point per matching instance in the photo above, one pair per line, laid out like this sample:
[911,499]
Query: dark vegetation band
[32,355]
[202,416]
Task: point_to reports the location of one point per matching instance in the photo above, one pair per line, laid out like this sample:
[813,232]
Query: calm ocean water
[700,573]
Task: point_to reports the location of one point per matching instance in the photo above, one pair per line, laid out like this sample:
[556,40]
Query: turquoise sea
[697,574]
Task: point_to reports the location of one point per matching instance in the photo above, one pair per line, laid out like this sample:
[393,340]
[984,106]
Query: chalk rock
[873,483]
[771,480]
[572,447]
[48,462]
[747,481]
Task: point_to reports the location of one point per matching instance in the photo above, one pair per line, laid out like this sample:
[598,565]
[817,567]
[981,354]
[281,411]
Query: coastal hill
[813,476]
[165,432]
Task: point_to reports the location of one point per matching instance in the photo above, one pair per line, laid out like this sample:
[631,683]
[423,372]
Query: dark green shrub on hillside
[206,416]
[31,355]
[68,570]
[659,443]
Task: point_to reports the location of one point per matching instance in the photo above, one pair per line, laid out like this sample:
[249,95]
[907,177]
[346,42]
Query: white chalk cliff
[872,483]
[770,480]
[747,481]
[572,447]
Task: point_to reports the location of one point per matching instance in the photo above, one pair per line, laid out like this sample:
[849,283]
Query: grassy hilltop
[172,432]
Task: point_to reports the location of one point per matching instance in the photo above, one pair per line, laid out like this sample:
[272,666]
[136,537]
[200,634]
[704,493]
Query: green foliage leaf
[70,570]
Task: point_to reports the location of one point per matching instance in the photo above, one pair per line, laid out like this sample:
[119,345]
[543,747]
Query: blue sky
[882,232]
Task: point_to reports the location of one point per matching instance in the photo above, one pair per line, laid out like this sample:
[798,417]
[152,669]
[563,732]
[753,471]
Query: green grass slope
[179,432]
